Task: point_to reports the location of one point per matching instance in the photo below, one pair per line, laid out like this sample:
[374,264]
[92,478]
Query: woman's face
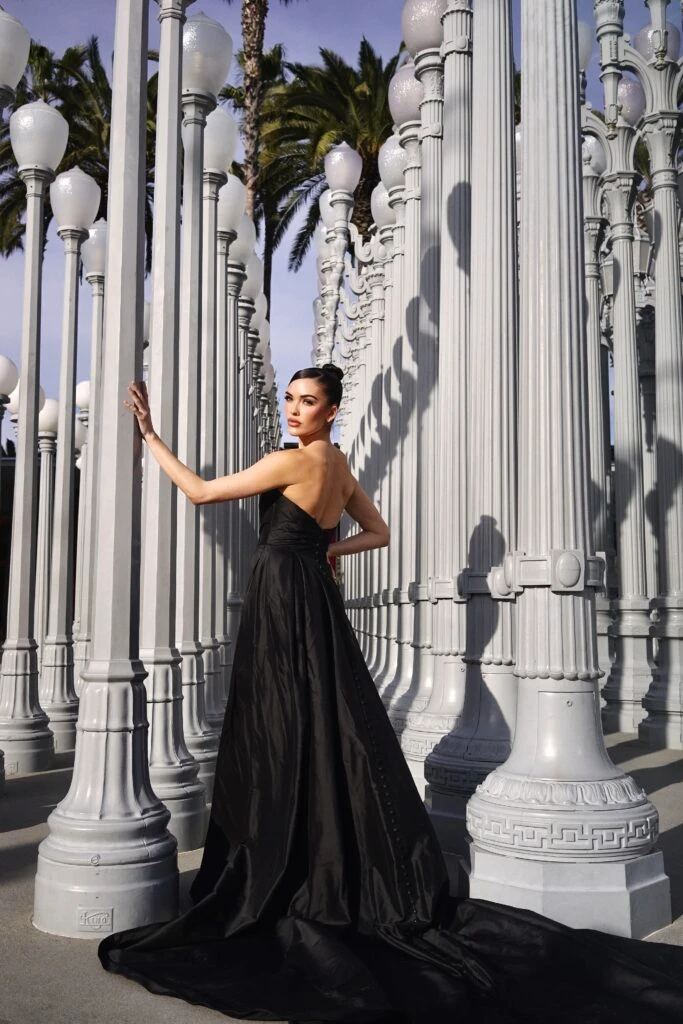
[307,408]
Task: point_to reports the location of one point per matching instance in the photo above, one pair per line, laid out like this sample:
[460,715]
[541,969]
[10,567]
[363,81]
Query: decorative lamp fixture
[595,154]
[382,213]
[647,42]
[15,43]
[75,199]
[94,248]
[343,168]
[392,162]
[322,246]
[243,246]
[83,395]
[405,95]
[631,99]
[260,310]
[586,44]
[9,376]
[38,134]
[327,214]
[607,277]
[220,140]
[422,26]
[48,417]
[232,198]
[254,282]
[13,403]
[207,53]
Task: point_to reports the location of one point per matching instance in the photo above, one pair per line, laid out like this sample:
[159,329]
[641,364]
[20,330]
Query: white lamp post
[48,422]
[569,836]
[82,401]
[240,252]
[656,63]
[423,33]
[405,97]
[231,203]
[174,772]
[220,140]
[392,162]
[108,861]
[207,52]
[75,197]
[38,134]
[93,254]
[15,43]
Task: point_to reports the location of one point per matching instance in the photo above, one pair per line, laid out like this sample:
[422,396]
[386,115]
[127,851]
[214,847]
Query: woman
[322,893]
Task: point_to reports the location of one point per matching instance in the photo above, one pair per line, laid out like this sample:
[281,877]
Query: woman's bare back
[326,483]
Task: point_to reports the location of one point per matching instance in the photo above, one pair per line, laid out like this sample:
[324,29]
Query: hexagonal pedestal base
[630,898]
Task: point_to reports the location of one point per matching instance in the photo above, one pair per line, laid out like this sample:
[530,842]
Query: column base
[29,748]
[630,898]
[188,809]
[63,719]
[79,895]
[662,730]
[447,812]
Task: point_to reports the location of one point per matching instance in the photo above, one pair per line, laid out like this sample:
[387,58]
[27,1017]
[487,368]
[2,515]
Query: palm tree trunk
[254,13]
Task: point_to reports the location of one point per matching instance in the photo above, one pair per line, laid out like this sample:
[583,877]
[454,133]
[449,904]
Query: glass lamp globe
[260,310]
[207,53]
[254,282]
[421,21]
[80,435]
[94,249]
[405,95]
[343,168]
[392,161]
[38,134]
[232,198]
[586,42]
[243,246]
[631,99]
[75,199]
[15,43]
[594,152]
[48,417]
[382,213]
[82,395]
[263,339]
[327,214]
[9,376]
[220,140]
[647,39]
[13,404]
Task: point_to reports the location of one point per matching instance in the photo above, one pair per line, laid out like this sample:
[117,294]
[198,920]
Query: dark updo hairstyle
[329,376]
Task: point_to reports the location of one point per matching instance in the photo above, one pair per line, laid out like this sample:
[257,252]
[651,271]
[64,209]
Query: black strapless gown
[323,893]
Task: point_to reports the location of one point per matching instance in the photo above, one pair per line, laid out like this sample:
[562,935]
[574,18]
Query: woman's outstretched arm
[275,470]
[374,532]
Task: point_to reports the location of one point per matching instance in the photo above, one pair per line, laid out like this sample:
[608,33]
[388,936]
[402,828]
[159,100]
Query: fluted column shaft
[81,514]
[241,519]
[108,860]
[664,721]
[482,738]
[88,483]
[397,694]
[173,770]
[56,690]
[25,738]
[375,464]
[630,674]
[646,369]
[199,737]
[213,675]
[429,71]
[395,412]
[540,822]
[47,445]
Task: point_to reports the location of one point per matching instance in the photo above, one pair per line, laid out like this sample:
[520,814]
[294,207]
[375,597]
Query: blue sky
[303,27]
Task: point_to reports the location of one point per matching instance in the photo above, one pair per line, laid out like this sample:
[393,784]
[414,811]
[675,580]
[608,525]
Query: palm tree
[254,15]
[78,86]
[321,105]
